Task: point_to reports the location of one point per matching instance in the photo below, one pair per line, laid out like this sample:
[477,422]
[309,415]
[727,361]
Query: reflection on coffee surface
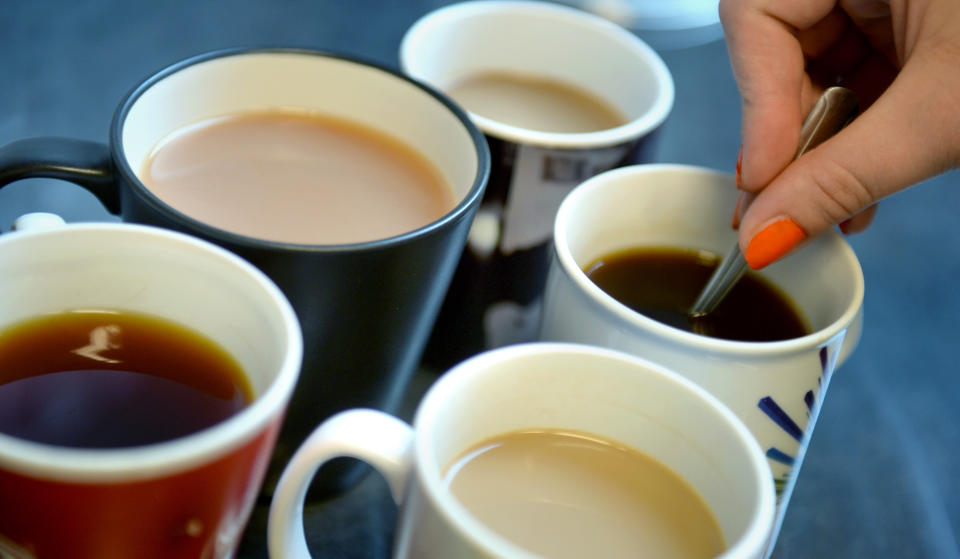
[571,494]
[664,283]
[535,103]
[297,177]
[104,379]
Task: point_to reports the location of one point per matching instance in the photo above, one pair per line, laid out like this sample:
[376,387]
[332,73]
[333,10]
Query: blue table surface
[880,477]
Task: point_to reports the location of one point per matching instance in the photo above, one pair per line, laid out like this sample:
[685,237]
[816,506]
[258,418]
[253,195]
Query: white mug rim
[637,320]
[636,128]
[486,539]
[129,464]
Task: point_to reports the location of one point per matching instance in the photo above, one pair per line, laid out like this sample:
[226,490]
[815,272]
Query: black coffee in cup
[112,379]
[663,283]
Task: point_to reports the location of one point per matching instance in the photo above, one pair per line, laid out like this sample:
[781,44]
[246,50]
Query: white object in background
[663,24]
[37,221]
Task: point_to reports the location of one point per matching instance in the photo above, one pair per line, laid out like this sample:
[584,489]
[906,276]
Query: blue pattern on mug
[772,409]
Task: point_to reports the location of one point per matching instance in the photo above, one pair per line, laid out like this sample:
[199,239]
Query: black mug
[494,298]
[366,309]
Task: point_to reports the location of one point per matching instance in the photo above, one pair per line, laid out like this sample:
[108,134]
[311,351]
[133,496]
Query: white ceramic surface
[546,40]
[774,387]
[567,386]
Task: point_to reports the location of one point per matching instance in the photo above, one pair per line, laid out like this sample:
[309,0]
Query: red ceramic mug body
[185,498]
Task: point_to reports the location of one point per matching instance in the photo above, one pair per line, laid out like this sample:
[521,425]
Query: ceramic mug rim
[429,476]
[459,212]
[127,464]
[626,315]
[637,128]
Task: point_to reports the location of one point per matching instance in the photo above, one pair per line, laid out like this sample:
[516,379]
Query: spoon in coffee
[835,108]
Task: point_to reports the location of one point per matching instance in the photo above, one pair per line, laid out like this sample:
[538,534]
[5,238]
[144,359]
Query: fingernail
[845,226]
[739,174]
[772,242]
[735,223]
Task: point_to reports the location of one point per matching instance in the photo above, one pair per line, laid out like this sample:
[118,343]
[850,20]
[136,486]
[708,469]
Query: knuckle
[841,191]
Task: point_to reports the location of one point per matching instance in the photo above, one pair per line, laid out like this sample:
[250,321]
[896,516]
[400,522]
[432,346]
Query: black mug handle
[88,164]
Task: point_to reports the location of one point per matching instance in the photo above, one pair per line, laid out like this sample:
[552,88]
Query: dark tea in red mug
[144,375]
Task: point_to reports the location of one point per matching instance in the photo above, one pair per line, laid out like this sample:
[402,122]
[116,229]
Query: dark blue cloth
[880,477]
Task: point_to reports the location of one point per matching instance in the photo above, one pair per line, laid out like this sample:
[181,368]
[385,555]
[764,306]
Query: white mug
[774,387]
[538,385]
[185,498]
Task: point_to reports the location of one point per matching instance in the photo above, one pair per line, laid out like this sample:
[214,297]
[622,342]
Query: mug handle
[381,440]
[37,221]
[88,164]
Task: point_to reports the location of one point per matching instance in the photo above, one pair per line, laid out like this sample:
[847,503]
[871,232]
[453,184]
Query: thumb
[907,135]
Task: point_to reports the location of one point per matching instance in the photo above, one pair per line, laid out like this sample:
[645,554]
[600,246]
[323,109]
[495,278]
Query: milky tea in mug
[297,177]
[571,494]
[535,103]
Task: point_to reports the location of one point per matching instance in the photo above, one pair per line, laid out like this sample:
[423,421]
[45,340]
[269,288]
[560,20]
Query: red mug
[189,497]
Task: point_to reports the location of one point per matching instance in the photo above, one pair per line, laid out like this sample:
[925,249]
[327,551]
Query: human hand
[901,58]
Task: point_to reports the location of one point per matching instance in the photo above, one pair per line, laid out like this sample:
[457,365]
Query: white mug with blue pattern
[775,387]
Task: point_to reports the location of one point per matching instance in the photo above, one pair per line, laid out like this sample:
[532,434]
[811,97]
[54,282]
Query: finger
[861,57]
[859,222]
[743,202]
[823,35]
[870,78]
[768,64]
[847,51]
[874,20]
[895,143]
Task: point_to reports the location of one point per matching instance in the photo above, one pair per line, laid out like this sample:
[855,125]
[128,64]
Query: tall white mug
[775,387]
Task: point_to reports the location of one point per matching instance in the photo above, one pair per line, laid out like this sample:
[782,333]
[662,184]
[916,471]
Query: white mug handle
[381,440]
[37,221]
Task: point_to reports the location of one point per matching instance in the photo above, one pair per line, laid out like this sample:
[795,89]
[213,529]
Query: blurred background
[880,477]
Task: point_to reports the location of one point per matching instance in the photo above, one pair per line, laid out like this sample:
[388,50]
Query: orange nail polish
[739,174]
[772,242]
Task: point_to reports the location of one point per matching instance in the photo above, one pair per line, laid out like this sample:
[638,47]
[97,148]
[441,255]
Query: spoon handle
[832,111]
[727,274]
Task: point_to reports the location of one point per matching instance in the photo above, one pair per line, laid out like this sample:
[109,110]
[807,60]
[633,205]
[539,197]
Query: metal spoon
[832,111]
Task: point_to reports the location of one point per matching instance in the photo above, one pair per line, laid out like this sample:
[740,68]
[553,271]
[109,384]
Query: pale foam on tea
[563,494]
[297,177]
[535,103]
